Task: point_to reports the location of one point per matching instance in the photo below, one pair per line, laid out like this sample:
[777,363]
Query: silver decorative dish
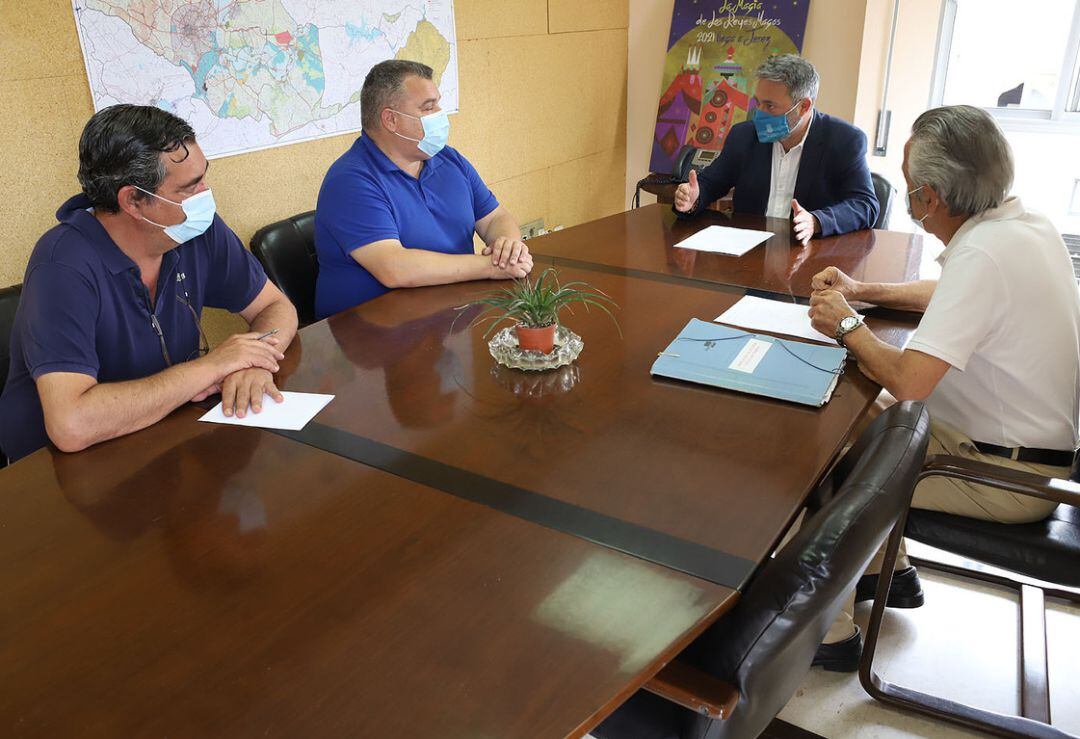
[504,348]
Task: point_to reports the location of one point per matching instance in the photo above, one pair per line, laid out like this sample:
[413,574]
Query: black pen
[271,332]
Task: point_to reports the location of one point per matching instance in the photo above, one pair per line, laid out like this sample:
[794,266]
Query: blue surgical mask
[436,131]
[772,128]
[910,212]
[199,209]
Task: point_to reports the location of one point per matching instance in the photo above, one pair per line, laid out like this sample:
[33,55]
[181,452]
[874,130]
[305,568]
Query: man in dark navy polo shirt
[399,208]
[107,337]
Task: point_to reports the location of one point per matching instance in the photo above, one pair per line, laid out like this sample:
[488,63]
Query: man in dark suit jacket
[790,161]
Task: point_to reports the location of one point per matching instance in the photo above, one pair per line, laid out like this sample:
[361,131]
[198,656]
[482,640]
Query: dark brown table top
[642,242]
[205,580]
[702,465]
[200,580]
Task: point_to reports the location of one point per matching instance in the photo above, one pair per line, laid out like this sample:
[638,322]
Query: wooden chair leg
[953,711]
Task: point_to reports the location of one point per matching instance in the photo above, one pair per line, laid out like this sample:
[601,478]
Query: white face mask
[918,221]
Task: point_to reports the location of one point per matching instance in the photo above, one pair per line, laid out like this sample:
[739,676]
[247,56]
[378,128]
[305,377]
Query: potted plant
[535,306]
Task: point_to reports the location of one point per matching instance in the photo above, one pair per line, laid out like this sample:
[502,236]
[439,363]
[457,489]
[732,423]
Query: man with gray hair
[790,160]
[399,208]
[996,355]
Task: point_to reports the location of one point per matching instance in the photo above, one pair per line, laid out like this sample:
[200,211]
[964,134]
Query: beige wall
[833,43]
[650,24]
[912,75]
[543,118]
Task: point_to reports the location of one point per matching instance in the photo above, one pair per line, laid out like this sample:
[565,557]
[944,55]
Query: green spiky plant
[536,304]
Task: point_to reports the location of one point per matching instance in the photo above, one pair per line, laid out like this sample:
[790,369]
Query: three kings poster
[713,50]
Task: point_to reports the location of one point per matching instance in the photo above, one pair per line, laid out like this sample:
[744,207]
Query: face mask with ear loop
[911,213]
[199,210]
[436,131]
[772,128]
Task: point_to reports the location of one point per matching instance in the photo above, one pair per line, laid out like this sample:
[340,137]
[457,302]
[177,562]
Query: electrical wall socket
[532,228]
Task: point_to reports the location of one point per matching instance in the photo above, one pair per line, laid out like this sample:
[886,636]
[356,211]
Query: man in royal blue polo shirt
[107,338]
[399,208]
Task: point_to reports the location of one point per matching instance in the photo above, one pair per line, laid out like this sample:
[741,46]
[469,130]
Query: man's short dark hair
[383,84]
[122,145]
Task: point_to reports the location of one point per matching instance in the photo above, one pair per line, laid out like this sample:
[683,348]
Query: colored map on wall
[713,50]
[251,74]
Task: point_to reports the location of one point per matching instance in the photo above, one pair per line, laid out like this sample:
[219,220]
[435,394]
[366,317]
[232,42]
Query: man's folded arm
[499,223]
[80,412]
[271,310]
[395,266]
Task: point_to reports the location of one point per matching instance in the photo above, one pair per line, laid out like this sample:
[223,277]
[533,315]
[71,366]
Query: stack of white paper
[725,240]
[292,414]
[773,316]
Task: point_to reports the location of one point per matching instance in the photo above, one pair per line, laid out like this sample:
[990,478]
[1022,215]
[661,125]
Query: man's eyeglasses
[204,344]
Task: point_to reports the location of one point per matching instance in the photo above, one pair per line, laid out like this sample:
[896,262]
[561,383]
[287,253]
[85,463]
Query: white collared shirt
[1006,316]
[785,170]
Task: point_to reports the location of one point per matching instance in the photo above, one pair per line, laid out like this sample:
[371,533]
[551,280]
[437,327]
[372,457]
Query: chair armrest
[1002,478]
[691,688]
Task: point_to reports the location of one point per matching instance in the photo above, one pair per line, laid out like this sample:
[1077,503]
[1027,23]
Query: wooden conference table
[640,243]
[450,549]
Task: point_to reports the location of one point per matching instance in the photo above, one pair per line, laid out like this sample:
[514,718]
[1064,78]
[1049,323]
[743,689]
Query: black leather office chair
[9,303]
[884,191]
[734,679]
[1048,551]
[286,250]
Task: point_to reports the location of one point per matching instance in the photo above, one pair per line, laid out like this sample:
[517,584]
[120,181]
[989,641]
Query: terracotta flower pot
[536,339]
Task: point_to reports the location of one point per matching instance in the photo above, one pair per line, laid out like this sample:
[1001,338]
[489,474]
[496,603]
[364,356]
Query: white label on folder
[750,356]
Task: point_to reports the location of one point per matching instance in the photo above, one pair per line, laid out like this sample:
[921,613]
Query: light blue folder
[788,370]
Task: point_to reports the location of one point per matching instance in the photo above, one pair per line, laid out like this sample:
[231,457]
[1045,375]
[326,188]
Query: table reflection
[196,491]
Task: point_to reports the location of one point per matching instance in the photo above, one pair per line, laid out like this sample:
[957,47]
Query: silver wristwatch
[846,326]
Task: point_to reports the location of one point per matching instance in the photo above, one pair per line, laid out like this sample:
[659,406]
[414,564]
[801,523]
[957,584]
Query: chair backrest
[286,250]
[884,191]
[764,647]
[9,303]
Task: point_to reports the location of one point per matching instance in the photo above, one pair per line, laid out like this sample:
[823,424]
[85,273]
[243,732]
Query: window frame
[1065,115]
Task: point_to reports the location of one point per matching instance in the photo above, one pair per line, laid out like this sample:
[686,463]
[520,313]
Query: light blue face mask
[199,209]
[772,128]
[436,131]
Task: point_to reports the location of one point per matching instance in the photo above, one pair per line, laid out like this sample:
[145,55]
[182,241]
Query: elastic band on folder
[781,342]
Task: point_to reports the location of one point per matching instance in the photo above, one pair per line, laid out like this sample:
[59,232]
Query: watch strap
[841,332]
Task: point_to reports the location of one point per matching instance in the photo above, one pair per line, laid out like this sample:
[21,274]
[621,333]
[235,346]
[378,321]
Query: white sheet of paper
[774,316]
[725,240]
[292,414]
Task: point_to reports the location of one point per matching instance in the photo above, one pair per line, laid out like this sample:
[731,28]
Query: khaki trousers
[962,499]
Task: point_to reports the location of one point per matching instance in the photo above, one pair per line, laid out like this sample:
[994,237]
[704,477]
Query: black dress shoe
[843,656]
[904,592]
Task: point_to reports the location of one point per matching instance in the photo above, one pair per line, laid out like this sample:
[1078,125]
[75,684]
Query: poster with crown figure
[713,50]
